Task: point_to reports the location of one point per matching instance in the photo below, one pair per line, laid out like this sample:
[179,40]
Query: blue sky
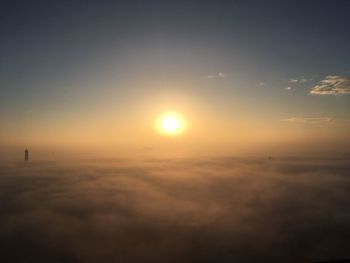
[237,59]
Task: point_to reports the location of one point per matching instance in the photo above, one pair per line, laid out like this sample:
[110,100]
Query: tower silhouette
[26,155]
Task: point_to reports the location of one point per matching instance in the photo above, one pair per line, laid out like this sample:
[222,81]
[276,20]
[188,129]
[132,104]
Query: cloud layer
[332,85]
[175,210]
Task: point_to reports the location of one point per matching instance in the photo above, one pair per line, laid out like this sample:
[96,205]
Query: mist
[218,209]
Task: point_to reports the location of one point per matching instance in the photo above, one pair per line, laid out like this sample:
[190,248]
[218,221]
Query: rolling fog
[175,210]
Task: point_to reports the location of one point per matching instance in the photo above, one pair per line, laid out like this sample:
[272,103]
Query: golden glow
[171,123]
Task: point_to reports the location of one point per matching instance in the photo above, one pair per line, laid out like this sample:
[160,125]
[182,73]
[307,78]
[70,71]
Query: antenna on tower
[26,155]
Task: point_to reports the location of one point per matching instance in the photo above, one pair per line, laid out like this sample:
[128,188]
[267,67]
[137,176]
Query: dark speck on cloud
[175,210]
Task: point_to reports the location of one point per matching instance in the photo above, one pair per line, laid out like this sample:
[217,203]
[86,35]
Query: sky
[94,76]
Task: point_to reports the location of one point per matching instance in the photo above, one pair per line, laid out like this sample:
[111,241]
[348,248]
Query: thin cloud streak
[299,80]
[219,75]
[309,121]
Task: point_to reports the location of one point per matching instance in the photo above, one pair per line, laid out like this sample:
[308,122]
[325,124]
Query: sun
[171,124]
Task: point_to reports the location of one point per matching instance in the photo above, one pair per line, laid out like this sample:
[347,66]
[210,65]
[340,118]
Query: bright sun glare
[171,123]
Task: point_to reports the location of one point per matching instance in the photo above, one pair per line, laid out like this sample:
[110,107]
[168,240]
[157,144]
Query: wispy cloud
[261,84]
[222,75]
[332,85]
[309,121]
[219,75]
[299,80]
[293,81]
